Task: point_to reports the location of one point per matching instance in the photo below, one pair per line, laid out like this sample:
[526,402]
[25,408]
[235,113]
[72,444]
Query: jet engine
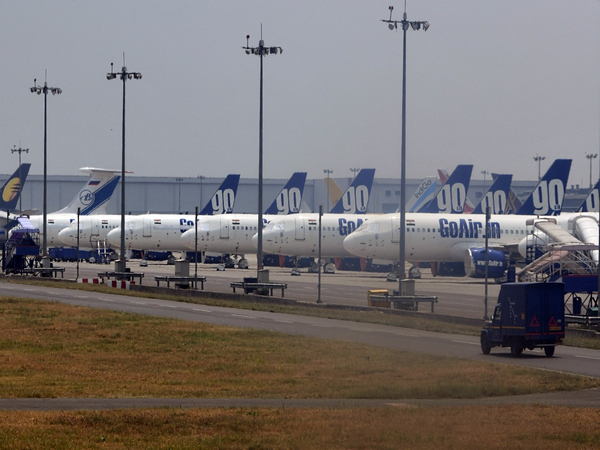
[475,263]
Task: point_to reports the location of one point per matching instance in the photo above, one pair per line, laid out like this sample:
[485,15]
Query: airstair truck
[528,315]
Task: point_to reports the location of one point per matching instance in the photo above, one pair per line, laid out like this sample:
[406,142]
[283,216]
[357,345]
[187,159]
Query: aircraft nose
[68,236]
[355,243]
[114,236]
[188,240]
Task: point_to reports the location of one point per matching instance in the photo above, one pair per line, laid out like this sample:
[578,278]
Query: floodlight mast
[393,25]
[121,263]
[37,89]
[260,51]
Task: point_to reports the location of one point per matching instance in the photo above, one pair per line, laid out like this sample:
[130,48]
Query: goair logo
[548,196]
[451,199]
[222,202]
[424,186]
[86,197]
[496,201]
[185,223]
[467,228]
[348,226]
[355,199]
[288,201]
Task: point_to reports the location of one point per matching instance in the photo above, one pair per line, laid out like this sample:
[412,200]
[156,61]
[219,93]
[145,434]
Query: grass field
[55,350]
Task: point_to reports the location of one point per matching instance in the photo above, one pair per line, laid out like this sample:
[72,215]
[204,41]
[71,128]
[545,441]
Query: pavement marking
[587,357]
[201,310]
[246,317]
[465,342]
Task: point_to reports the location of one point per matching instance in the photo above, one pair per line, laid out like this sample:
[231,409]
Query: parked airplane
[235,236]
[590,204]
[165,233]
[91,199]
[94,230]
[548,196]
[11,190]
[423,194]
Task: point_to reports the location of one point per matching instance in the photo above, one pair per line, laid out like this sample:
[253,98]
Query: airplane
[452,195]
[92,198]
[166,232]
[235,236]
[11,190]
[94,230]
[443,238]
[443,176]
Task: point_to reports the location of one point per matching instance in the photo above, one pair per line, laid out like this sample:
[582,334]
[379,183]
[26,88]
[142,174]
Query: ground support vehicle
[528,315]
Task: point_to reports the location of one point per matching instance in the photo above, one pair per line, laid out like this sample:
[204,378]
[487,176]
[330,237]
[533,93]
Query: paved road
[462,296]
[567,359]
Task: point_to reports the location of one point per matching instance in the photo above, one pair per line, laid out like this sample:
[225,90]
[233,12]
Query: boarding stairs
[22,246]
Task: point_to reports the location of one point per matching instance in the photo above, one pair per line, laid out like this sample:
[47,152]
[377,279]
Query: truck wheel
[516,348]
[485,344]
[549,351]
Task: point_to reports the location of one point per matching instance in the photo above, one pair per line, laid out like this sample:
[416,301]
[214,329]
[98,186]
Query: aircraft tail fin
[11,190]
[223,200]
[289,199]
[335,193]
[496,196]
[96,193]
[547,197]
[423,195]
[356,198]
[590,204]
[452,196]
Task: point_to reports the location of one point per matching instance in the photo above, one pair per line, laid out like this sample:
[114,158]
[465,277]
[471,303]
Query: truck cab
[527,316]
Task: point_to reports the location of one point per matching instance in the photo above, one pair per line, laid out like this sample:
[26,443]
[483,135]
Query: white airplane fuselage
[298,234]
[444,237]
[92,230]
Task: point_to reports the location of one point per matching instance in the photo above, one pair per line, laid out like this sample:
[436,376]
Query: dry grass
[501,427]
[50,349]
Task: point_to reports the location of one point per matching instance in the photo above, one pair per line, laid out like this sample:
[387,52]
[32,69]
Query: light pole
[20,150]
[327,172]
[201,178]
[179,180]
[37,89]
[591,156]
[485,173]
[539,160]
[393,25]
[260,51]
[121,263]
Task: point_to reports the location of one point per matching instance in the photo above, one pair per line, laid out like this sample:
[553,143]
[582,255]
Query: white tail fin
[96,193]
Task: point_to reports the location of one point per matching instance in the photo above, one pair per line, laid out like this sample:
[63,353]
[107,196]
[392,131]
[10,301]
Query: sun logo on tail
[12,189]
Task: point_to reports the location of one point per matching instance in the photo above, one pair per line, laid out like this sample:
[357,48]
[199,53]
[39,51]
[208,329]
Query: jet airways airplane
[11,190]
[91,199]
[94,230]
[235,235]
[162,232]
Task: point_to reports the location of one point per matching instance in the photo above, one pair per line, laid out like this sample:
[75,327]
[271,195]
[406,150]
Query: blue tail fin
[96,193]
[496,197]
[11,191]
[590,204]
[223,200]
[452,196]
[547,197]
[423,195]
[356,198]
[289,200]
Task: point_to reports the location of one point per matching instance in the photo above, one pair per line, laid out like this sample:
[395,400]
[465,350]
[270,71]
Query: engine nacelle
[475,263]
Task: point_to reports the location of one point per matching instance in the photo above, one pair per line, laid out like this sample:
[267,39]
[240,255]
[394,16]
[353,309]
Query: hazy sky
[491,83]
